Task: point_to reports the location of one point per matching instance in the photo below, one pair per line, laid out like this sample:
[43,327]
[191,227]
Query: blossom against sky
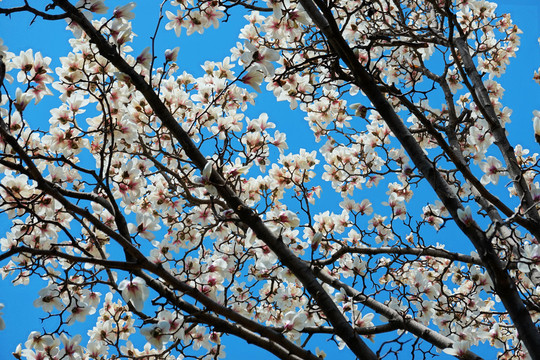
[194,52]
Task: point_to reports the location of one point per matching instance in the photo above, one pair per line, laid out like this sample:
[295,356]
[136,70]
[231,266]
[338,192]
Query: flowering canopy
[152,185]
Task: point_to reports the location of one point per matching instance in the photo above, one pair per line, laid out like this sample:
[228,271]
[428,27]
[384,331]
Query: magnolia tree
[157,210]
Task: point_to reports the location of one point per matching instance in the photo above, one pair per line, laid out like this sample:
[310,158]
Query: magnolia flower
[17,354]
[536,124]
[134,291]
[175,22]
[79,310]
[96,350]
[315,240]
[38,341]
[95,6]
[364,321]
[288,218]
[196,22]
[454,81]
[71,350]
[365,207]
[217,352]
[144,57]
[491,169]
[204,179]
[431,216]
[530,254]
[77,103]
[212,16]
[146,224]
[171,55]
[31,355]
[465,216]
[157,334]
[207,171]
[253,78]
[458,349]
[8,242]
[15,187]
[175,321]
[125,12]
[49,297]
[91,297]
[294,321]
[263,57]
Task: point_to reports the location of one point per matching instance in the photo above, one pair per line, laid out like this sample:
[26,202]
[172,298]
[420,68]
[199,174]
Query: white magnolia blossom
[49,298]
[134,291]
[157,334]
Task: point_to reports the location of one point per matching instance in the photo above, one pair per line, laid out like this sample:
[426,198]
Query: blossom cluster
[108,196]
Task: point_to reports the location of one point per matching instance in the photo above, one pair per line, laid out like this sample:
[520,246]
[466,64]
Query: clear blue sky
[522,95]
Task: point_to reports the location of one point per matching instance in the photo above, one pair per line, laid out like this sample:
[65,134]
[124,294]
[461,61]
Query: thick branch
[48,188]
[365,330]
[466,172]
[503,283]
[434,252]
[481,97]
[28,8]
[247,328]
[53,253]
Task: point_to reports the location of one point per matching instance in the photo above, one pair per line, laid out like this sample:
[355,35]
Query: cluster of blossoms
[111,197]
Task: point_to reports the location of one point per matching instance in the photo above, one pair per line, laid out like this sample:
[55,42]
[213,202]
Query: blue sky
[522,95]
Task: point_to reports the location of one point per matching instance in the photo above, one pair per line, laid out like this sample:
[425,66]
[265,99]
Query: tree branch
[434,252]
[503,283]
[342,327]
[252,332]
[408,324]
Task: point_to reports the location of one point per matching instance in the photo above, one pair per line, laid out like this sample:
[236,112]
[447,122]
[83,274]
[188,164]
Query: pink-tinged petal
[465,216]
